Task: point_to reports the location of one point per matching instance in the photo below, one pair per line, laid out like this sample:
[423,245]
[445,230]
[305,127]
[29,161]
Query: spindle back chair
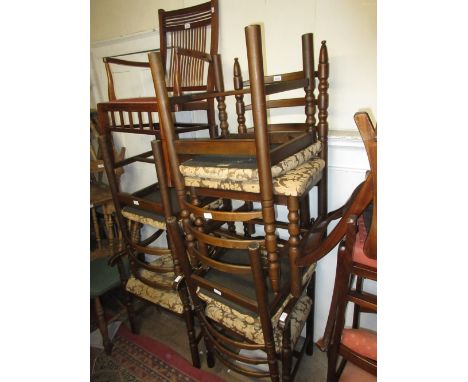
[194,29]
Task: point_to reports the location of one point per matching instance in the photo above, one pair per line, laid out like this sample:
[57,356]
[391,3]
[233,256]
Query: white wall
[348,26]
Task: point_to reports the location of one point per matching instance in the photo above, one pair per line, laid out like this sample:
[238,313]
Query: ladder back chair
[356,234]
[150,280]
[315,112]
[248,167]
[247,326]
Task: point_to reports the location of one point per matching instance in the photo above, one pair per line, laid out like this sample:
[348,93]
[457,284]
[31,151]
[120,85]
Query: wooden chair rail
[367,364]
[223,215]
[243,301]
[365,300]
[280,77]
[213,263]
[224,243]
[277,103]
[272,88]
[152,251]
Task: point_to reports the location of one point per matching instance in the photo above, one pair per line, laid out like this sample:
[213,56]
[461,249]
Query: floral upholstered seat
[169,298]
[292,183]
[243,168]
[247,323]
[250,327]
[156,220]
[291,177]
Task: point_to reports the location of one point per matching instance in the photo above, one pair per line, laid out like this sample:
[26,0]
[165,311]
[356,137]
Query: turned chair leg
[310,320]
[96,227]
[102,324]
[189,322]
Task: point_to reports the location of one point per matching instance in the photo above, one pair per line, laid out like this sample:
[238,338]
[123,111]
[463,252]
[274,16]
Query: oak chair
[150,280]
[357,260]
[315,111]
[245,324]
[238,166]
[194,29]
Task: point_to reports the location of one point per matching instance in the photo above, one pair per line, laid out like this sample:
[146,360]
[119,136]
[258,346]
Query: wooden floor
[170,330]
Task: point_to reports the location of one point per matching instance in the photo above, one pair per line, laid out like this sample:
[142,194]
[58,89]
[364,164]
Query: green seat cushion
[103,276]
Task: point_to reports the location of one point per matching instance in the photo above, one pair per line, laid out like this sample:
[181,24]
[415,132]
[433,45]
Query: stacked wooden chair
[194,29]
[356,234]
[248,293]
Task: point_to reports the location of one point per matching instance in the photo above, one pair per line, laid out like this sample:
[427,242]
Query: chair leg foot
[131,314]
[310,320]
[102,324]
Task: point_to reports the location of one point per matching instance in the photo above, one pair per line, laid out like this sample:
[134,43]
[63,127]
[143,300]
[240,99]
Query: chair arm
[117,61]
[116,257]
[313,249]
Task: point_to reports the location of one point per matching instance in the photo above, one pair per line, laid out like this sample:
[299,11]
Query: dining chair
[152,265]
[194,29]
[245,324]
[356,234]
[314,103]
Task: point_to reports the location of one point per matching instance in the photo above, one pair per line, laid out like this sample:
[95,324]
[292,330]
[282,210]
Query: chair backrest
[369,135]
[150,202]
[240,283]
[194,28]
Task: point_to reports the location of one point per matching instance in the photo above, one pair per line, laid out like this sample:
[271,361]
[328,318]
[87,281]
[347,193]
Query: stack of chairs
[250,297]
[153,267]
[252,292]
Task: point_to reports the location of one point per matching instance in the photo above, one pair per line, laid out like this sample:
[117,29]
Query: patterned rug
[142,359]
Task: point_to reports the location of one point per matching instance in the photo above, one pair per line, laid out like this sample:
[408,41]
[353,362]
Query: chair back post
[106,154]
[168,135]
[322,103]
[369,136]
[167,132]
[256,75]
[240,105]
[265,319]
[110,81]
[308,66]
[219,84]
